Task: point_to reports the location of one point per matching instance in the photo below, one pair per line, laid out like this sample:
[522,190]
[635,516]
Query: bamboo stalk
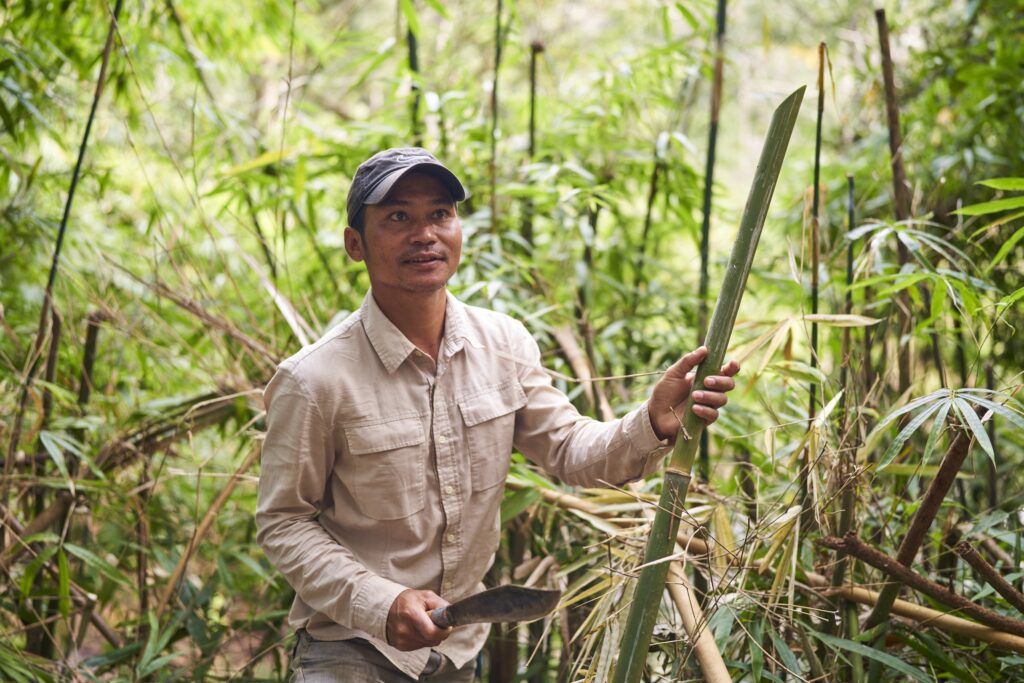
[703,470]
[922,520]
[493,166]
[710,659]
[901,195]
[644,608]
[44,313]
[536,47]
[854,546]
[415,125]
[992,463]
[991,576]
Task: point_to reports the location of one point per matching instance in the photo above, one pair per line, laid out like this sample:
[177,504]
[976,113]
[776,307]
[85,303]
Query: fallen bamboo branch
[934,618]
[568,501]
[989,573]
[204,527]
[855,547]
[710,659]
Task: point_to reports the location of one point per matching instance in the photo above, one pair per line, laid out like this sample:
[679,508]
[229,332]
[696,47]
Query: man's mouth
[423,258]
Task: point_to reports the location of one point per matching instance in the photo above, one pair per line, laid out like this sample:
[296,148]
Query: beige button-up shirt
[382,470]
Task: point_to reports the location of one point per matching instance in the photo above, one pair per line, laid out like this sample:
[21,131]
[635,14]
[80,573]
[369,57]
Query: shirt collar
[393,347]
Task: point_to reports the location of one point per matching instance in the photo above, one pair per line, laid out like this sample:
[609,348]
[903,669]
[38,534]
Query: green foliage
[205,240]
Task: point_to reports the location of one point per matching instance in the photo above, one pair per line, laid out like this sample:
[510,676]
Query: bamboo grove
[170,229]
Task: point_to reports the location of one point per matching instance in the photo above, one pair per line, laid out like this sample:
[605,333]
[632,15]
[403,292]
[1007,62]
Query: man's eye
[442,213]
[398,216]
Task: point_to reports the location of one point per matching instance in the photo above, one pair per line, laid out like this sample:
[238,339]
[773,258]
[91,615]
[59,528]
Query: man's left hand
[670,394]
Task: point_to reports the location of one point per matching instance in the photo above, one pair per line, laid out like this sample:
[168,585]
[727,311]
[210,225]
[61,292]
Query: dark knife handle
[441,618]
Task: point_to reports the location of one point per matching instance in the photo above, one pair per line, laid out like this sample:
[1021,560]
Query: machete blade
[498,605]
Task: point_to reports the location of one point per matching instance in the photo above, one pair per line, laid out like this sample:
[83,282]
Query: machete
[497,605]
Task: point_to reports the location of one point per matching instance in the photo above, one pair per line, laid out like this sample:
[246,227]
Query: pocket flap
[385,436]
[491,403]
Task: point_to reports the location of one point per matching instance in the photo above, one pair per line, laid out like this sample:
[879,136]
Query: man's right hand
[409,625]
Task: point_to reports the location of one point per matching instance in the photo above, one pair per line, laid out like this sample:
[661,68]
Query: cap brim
[450,180]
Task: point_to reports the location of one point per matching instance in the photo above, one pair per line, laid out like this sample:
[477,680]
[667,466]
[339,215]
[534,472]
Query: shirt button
[448,489]
[451,538]
[442,439]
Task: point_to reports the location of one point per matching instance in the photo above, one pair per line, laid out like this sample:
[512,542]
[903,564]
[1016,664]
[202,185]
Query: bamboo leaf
[872,653]
[63,584]
[936,431]
[842,320]
[1005,248]
[1003,183]
[993,206]
[897,445]
[973,423]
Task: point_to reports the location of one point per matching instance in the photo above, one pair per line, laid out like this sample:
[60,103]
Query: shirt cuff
[641,432]
[372,604]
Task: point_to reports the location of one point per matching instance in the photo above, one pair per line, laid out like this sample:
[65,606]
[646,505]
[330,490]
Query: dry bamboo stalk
[568,501]
[204,527]
[923,518]
[989,573]
[710,659]
[930,617]
[865,553]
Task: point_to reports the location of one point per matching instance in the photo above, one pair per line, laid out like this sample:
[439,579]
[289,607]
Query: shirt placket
[448,479]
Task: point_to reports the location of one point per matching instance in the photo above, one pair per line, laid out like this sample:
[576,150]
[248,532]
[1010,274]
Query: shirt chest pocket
[384,467]
[489,418]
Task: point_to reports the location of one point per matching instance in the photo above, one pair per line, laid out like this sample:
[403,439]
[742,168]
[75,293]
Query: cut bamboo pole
[705,228]
[710,659]
[647,597]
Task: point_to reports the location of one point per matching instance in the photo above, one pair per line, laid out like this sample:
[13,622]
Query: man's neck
[419,316]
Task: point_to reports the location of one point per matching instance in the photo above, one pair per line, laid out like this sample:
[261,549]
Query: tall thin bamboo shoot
[647,597]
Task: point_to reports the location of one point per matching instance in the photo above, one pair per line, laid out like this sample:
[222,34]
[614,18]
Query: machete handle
[441,618]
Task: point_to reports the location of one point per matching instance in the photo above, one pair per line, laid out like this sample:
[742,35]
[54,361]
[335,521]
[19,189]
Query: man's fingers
[688,362]
[712,399]
[719,383]
[705,413]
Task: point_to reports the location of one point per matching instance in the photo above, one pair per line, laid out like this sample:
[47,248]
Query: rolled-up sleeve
[578,450]
[296,463]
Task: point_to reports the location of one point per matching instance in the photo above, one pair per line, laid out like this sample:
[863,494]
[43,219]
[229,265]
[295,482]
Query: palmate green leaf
[1002,410]
[973,422]
[1003,183]
[872,653]
[916,403]
[936,431]
[897,444]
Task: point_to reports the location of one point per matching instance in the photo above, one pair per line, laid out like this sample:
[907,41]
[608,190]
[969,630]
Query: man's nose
[424,230]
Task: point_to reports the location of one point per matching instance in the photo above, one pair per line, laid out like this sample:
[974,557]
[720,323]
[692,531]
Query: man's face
[412,240]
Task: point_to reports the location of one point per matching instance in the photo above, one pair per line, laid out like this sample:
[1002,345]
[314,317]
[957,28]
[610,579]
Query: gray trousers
[356,661]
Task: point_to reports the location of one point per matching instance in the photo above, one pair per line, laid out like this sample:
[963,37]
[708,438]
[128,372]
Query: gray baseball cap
[377,175]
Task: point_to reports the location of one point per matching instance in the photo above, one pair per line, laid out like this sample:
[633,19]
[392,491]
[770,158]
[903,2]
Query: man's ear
[354,244]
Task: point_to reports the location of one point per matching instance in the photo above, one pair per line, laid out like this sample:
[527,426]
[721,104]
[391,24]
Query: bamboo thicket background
[203,245]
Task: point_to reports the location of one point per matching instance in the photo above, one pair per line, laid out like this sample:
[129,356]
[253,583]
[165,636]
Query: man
[388,442]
